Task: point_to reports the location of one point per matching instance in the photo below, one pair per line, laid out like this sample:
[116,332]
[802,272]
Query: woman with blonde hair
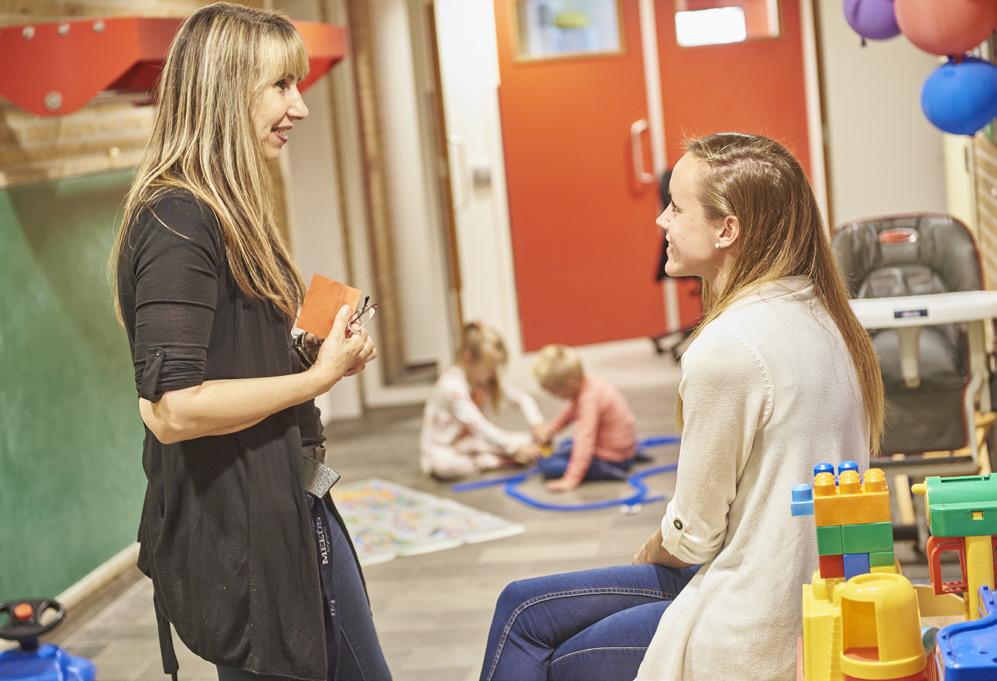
[249,560]
[779,376]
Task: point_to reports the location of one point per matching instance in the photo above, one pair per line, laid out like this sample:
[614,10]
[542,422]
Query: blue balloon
[960,98]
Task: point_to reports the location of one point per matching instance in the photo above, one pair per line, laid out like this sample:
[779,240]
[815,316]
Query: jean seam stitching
[353,652]
[588,650]
[650,593]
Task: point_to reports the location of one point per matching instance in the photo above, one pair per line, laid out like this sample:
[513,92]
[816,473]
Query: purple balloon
[872,19]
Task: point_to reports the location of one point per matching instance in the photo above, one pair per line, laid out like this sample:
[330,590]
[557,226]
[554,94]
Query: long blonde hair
[480,342]
[781,235]
[203,141]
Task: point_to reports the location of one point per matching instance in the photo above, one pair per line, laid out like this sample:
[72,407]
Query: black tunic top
[225,530]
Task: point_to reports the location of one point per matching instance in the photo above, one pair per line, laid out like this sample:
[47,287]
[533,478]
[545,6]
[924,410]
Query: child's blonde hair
[556,365]
[480,342]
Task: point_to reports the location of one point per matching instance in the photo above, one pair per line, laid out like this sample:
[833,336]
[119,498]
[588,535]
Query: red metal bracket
[53,69]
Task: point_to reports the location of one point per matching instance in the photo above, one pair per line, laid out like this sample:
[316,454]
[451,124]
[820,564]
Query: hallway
[433,610]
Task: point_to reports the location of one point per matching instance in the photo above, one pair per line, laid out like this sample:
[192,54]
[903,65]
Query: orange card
[322,302]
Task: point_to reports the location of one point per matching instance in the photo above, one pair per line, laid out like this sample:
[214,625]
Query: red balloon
[946,27]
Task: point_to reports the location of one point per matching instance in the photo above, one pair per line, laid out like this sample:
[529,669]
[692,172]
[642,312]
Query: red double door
[581,206]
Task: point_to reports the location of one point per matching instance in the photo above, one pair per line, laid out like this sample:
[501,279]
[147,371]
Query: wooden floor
[433,611]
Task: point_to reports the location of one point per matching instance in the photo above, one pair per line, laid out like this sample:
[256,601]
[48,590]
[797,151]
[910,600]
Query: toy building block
[823,467]
[962,517]
[867,538]
[881,629]
[966,650]
[855,564]
[881,559]
[848,465]
[829,540]
[821,630]
[832,567]
[803,500]
[963,506]
[851,501]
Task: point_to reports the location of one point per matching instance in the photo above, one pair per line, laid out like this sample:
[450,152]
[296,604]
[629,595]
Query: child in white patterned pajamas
[458,437]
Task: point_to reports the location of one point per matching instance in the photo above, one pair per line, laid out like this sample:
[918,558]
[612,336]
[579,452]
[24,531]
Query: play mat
[387,521]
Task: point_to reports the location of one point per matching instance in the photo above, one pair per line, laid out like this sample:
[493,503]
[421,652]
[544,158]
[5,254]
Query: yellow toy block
[852,501]
[867,627]
[822,629]
[880,628]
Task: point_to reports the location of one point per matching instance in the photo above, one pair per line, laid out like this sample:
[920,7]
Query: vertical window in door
[549,29]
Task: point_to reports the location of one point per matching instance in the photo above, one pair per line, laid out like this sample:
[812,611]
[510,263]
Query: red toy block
[832,566]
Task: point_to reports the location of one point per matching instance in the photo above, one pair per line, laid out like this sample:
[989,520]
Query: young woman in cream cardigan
[779,376]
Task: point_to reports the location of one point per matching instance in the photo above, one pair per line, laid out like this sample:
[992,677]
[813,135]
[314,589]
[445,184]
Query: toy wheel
[24,618]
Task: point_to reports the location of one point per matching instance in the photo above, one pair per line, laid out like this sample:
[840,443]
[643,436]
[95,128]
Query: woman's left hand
[367,354]
[652,552]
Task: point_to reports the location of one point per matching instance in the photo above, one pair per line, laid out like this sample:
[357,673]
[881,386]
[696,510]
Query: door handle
[456,148]
[638,128]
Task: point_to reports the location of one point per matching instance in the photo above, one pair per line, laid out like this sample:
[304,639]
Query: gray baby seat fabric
[911,255]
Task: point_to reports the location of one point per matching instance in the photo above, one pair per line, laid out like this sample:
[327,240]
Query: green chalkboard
[71,480]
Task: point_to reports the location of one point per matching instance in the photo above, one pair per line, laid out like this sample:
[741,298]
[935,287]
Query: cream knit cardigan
[768,390]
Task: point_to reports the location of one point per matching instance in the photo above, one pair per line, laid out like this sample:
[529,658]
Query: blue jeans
[593,625]
[358,653]
[553,466]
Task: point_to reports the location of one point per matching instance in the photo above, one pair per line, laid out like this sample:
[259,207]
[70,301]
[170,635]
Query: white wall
[884,155]
[415,225]
[314,205]
[469,71]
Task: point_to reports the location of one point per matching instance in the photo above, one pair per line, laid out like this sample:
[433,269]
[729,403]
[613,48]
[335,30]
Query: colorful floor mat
[387,520]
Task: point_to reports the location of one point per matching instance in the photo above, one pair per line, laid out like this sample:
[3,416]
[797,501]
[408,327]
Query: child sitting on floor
[605,438]
[458,437]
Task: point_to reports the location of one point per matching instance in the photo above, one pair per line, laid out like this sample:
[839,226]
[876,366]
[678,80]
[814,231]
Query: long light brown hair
[781,234]
[203,141]
[481,343]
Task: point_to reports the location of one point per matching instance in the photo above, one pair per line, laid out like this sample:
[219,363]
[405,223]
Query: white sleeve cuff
[679,538]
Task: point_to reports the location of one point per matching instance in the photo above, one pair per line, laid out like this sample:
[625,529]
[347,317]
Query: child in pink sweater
[605,437]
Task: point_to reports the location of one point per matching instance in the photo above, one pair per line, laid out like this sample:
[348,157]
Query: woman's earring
[716,244]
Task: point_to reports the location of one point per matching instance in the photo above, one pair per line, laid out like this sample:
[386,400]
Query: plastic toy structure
[862,619]
[31,661]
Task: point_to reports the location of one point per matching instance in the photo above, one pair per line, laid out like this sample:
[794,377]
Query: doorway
[582,121]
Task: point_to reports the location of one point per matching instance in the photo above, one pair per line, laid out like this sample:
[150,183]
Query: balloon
[947,27]
[872,19]
[961,98]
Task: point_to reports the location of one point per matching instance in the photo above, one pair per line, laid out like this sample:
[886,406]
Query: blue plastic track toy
[21,621]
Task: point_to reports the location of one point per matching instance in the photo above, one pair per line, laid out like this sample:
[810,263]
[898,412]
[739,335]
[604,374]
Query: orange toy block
[322,302]
[851,502]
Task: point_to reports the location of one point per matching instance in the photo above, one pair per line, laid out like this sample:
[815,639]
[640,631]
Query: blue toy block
[856,564]
[848,466]
[803,500]
[824,467]
[967,649]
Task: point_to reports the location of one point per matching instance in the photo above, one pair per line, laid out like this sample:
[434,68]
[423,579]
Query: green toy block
[867,538]
[881,559]
[829,540]
[964,506]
